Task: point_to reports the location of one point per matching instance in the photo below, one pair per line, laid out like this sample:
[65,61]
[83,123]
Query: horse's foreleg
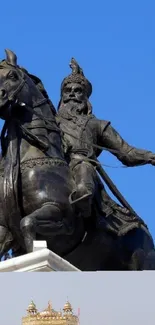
[27,226]
[44,221]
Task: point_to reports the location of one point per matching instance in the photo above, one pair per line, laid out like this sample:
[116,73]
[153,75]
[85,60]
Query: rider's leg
[84,176]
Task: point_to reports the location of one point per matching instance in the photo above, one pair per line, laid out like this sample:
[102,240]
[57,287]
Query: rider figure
[82,131]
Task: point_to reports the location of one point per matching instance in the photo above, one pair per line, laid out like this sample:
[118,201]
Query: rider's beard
[73,107]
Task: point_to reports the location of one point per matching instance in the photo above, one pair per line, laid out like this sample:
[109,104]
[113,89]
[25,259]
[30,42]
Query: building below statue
[40,260]
[49,316]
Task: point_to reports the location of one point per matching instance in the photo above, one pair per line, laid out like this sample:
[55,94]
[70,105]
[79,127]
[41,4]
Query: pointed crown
[77,76]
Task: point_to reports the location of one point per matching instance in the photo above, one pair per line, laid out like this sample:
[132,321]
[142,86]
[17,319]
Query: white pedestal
[41,260]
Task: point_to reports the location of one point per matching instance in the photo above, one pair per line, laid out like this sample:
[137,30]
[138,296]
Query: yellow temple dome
[48,312]
[67,306]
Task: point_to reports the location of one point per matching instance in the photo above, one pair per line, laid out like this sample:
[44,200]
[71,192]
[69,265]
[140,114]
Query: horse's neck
[50,137]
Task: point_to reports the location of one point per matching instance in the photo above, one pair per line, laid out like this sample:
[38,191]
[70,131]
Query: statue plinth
[40,260]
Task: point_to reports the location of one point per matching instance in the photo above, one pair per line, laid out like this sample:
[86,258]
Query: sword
[115,190]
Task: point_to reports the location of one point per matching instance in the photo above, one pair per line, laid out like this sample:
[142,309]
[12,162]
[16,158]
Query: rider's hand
[152,159]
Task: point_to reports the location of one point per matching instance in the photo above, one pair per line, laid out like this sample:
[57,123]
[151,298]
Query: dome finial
[49,305]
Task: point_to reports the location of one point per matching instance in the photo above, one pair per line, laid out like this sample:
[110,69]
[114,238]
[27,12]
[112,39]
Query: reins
[49,125]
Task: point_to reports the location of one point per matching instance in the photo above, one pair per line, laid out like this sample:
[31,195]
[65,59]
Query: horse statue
[36,183]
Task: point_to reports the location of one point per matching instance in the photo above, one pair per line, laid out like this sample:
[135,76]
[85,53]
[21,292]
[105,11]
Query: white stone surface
[39,244]
[41,260]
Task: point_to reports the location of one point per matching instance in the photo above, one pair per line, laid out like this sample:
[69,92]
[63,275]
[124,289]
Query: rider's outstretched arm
[127,154]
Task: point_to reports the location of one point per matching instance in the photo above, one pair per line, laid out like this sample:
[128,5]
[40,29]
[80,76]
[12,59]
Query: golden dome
[67,306]
[45,313]
[48,312]
[32,307]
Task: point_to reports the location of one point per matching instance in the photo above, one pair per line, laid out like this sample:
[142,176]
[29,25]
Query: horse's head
[16,85]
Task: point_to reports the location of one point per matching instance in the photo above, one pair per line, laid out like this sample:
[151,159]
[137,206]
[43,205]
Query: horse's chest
[28,151]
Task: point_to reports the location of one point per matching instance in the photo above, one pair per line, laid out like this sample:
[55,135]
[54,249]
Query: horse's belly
[42,184]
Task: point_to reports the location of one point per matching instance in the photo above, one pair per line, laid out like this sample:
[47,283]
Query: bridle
[14,102]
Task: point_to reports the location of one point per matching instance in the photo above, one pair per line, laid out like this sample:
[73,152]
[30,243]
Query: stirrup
[85,197]
[83,204]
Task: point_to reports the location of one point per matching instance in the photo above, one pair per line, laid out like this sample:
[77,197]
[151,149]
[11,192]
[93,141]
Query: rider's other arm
[127,154]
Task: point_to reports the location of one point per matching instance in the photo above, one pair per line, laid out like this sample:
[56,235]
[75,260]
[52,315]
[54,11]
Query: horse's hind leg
[6,240]
[149,262]
[139,248]
[44,221]
[143,261]
[17,251]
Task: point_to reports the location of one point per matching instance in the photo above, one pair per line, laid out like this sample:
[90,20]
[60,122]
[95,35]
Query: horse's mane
[40,87]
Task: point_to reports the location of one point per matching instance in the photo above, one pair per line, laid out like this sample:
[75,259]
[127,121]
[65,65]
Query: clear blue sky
[114,42]
[115,298]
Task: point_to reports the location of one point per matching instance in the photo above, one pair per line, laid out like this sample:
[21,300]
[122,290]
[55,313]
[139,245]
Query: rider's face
[74,92]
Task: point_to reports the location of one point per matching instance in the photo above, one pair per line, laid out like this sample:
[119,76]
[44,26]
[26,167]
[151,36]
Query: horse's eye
[12,75]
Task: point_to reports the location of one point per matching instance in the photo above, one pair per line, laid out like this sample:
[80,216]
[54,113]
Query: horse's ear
[11,57]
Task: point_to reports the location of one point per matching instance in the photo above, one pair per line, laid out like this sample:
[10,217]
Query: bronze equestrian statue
[44,189]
